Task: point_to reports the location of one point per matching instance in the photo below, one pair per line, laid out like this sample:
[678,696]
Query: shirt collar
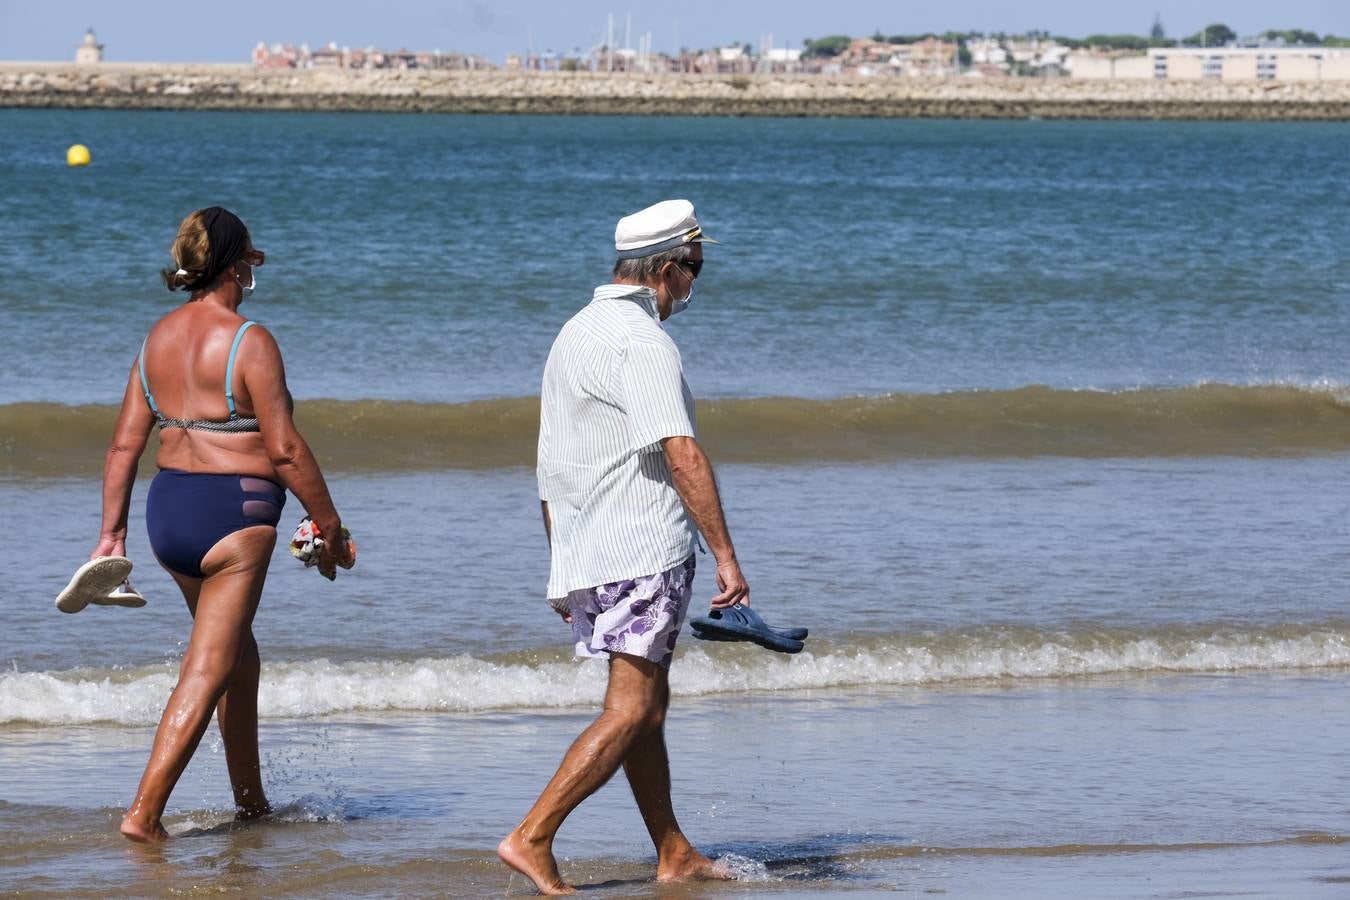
[644,297]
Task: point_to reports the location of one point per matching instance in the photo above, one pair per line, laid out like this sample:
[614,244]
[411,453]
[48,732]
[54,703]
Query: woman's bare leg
[235,569]
[237,717]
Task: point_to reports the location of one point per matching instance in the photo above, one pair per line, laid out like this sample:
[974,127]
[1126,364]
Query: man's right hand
[732,584]
[562,609]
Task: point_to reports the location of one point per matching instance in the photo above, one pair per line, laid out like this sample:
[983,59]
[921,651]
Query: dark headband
[226,241]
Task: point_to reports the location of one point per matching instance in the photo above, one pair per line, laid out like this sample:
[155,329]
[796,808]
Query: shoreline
[243,87]
[355,819]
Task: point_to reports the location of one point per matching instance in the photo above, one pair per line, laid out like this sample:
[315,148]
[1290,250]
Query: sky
[191,31]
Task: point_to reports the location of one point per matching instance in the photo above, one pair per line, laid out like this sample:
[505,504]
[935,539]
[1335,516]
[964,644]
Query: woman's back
[186,360]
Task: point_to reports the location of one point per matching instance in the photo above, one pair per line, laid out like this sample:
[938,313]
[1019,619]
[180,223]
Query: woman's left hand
[109,545]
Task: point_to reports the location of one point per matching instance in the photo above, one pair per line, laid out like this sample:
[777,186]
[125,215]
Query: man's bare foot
[535,862]
[251,813]
[688,865]
[143,834]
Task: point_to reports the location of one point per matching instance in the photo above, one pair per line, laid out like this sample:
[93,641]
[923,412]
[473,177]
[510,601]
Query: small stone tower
[90,50]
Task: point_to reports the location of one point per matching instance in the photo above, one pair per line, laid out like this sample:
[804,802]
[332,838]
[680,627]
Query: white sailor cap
[668,224]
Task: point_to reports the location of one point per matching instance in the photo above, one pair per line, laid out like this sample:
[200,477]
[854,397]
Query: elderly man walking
[620,477]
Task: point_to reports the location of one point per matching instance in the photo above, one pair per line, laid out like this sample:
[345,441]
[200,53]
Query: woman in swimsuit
[215,385]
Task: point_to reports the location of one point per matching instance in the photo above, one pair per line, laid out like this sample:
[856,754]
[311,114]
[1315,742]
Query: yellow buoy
[77,155]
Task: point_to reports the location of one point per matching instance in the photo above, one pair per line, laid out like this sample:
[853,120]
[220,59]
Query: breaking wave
[388,435]
[466,683]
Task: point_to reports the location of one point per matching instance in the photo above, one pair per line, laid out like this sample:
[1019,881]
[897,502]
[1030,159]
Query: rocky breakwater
[114,86]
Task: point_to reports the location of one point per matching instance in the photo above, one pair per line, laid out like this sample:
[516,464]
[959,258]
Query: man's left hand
[732,584]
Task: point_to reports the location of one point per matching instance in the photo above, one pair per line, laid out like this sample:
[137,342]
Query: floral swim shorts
[640,616]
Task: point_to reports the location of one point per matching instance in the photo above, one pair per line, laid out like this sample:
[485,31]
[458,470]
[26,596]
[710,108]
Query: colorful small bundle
[307,541]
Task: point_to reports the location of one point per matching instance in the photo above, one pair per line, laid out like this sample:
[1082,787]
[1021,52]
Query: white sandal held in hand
[122,595]
[93,582]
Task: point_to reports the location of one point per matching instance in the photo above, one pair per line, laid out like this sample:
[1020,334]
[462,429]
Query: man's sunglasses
[693,265]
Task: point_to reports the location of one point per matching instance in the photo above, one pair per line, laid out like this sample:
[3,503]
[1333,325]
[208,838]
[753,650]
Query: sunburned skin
[186,356]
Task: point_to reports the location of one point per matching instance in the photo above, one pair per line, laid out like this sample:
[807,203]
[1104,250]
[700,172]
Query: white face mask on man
[680,304]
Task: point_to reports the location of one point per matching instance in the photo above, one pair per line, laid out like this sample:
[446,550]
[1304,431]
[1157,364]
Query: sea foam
[466,683]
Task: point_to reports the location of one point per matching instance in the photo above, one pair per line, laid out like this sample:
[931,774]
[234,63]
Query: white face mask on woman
[252,279]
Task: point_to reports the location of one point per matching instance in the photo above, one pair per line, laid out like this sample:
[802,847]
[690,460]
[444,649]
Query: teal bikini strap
[145,385]
[229,368]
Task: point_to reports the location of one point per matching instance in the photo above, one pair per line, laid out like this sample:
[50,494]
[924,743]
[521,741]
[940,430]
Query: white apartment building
[1217,64]
[987,52]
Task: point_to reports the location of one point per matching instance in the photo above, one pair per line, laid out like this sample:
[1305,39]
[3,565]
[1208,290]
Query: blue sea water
[1057,673]
[436,256]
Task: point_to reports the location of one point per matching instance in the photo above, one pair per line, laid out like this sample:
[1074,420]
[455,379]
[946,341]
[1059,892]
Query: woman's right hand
[110,545]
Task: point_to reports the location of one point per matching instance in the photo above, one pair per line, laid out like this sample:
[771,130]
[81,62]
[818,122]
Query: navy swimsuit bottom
[187,513]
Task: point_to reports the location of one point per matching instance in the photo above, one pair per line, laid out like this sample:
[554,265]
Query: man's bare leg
[222,608]
[648,769]
[633,708]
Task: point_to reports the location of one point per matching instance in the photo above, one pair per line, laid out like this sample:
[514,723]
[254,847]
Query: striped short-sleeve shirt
[613,389]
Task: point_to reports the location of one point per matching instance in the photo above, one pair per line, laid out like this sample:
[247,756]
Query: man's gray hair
[644,269]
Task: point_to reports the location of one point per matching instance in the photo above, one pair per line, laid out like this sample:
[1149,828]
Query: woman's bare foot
[252,813]
[143,834]
[688,865]
[535,862]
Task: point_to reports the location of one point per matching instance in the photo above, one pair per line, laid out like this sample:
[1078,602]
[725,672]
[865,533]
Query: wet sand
[1116,787]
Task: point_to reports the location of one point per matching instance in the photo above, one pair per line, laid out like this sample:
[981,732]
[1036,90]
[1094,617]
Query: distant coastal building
[331,56]
[926,58]
[90,51]
[929,57]
[1216,64]
[278,56]
[781,60]
[1286,56]
[1101,65]
[989,52]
